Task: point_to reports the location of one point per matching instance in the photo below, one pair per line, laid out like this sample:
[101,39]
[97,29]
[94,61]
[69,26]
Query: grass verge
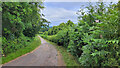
[34,44]
[67,57]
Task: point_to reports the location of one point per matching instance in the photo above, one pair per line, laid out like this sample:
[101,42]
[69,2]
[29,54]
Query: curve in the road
[44,55]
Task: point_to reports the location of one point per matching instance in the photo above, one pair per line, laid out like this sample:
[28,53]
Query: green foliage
[21,17]
[68,58]
[10,46]
[95,39]
[21,21]
[29,47]
[55,29]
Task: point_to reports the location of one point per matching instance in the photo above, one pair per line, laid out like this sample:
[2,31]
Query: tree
[22,17]
[69,23]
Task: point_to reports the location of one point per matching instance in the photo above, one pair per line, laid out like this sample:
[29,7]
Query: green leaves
[20,22]
[113,41]
[99,53]
[94,43]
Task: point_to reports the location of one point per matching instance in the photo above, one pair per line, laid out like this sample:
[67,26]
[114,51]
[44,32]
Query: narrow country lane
[44,55]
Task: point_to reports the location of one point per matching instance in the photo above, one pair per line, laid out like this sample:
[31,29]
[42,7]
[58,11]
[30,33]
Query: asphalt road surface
[44,55]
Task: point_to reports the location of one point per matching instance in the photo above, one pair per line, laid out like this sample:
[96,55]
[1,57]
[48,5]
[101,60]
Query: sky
[80,0]
[58,12]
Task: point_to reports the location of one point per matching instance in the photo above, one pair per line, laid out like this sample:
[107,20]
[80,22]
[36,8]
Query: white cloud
[58,15]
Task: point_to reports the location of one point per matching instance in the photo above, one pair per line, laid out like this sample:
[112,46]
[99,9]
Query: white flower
[97,21]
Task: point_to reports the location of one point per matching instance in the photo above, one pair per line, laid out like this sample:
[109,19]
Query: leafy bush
[21,21]
[10,46]
[95,39]
[55,29]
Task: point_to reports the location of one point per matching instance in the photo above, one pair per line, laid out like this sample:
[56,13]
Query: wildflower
[97,21]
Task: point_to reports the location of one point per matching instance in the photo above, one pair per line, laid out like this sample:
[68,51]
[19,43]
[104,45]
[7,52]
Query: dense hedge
[95,39]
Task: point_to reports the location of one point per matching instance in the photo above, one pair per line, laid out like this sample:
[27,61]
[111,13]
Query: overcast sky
[58,12]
